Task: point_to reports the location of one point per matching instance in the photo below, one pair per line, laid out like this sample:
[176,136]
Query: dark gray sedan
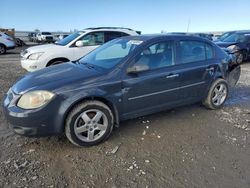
[125,78]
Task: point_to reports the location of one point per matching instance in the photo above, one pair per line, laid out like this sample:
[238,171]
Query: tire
[220,88]
[89,123]
[56,62]
[2,49]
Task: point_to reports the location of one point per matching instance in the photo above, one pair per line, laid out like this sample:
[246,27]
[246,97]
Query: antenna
[189,21]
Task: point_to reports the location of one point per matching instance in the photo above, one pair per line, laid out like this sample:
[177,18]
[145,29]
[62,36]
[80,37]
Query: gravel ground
[184,147]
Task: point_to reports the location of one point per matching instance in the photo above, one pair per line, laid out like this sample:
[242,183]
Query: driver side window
[157,55]
[93,39]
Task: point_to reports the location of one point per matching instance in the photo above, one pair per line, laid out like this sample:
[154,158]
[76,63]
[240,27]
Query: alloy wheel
[90,125]
[219,94]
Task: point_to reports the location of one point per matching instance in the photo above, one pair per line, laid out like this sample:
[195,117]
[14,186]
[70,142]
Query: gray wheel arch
[64,59]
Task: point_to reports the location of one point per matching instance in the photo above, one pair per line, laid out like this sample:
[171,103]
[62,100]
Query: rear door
[196,69]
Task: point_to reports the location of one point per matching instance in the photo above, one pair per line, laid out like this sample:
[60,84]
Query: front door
[153,89]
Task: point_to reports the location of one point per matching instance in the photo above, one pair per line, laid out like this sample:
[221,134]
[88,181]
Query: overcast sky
[144,15]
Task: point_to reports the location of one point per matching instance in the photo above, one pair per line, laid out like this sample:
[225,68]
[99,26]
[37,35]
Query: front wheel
[2,49]
[89,123]
[217,94]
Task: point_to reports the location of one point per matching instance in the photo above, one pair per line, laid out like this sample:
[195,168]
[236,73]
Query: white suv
[71,48]
[44,37]
[6,43]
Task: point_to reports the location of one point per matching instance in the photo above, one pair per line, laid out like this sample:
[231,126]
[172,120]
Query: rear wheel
[2,49]
[89,123]
[217,94]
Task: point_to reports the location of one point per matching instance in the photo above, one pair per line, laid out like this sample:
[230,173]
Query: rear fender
[234,75]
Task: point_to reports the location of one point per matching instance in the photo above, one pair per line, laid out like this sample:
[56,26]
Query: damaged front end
[235,51]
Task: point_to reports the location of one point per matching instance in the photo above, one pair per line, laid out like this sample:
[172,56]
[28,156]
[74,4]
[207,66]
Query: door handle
[210,69]
[172,76]
[125,90]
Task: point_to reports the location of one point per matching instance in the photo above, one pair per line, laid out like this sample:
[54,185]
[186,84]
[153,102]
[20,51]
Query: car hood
[55,78]
[225,44]
[45,47]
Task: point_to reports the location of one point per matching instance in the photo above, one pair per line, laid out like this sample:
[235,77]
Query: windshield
[235,38]
[225,35]
[111,53]
[69,38]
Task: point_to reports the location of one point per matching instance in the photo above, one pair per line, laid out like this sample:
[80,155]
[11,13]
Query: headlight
[233,48]
[34,99]
[35,56]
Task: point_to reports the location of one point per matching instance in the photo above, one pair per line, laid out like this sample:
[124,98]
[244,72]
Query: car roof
[243,32]
[147,37]
[120,29]
[112,28]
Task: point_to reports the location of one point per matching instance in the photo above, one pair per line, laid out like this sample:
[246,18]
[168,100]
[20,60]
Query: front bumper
[33,123]
[32,65]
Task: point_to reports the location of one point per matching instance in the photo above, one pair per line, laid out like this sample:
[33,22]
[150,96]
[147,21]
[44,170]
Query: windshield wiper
[88,65]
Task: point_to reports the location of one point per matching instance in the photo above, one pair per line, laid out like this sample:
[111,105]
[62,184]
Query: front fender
[71,98]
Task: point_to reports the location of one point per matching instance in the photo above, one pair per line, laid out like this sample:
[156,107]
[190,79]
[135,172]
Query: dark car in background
[204,35]
[224,35]
[122,79]
[237,43]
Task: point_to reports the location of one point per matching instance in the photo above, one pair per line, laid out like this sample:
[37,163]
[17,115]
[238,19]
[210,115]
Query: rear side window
[192,51]
[113,35]
[209,51]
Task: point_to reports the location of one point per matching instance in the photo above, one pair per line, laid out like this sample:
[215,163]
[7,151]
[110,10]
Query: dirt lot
[184,147]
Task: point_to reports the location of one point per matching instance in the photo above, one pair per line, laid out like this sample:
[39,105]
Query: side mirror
[137,68]
[79,43]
